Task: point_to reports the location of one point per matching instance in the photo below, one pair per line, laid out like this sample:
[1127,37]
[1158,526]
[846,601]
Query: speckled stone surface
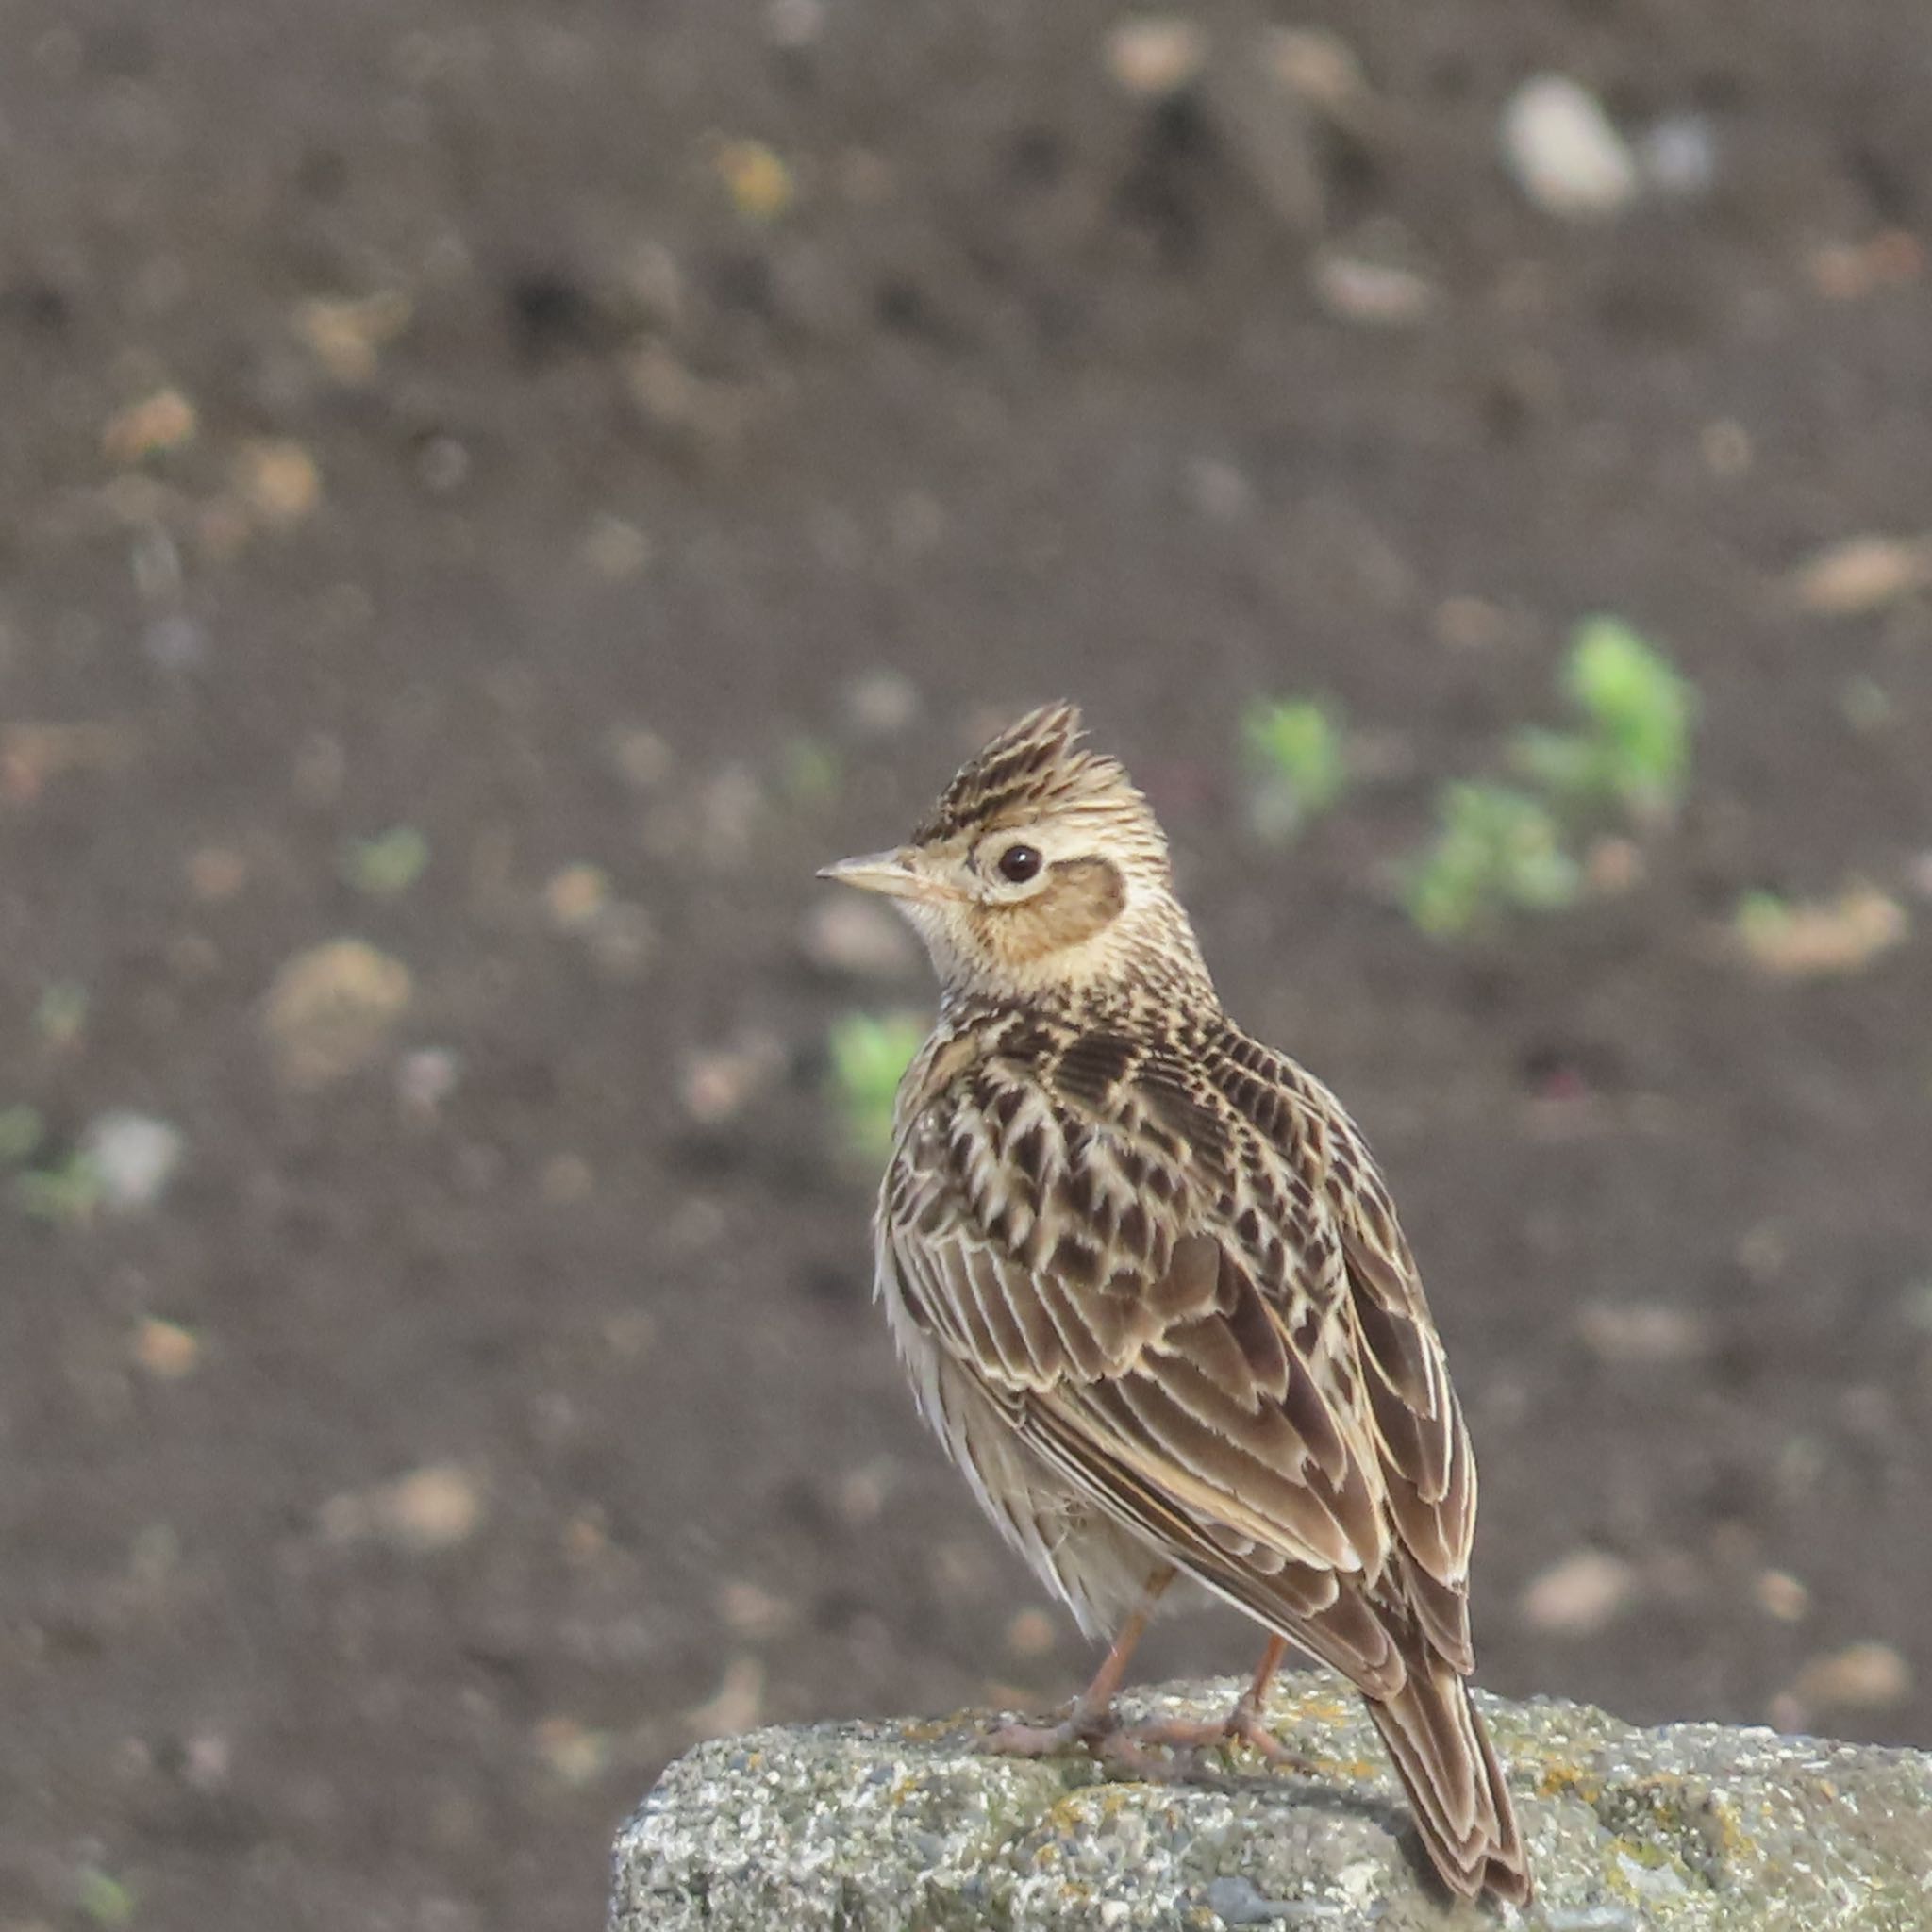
[902,1827]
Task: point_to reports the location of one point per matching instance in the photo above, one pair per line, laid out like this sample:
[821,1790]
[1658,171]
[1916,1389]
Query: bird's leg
[1242,1724]
[1089,1721]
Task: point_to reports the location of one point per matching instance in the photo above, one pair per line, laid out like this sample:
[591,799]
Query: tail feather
[1456,1788]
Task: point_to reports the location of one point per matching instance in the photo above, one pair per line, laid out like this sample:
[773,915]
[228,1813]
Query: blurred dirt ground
[491,494]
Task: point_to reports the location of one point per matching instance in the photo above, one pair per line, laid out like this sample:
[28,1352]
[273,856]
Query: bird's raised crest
[1036,765]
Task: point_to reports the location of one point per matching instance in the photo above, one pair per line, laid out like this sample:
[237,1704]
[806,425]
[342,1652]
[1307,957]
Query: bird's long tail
[1454,1784]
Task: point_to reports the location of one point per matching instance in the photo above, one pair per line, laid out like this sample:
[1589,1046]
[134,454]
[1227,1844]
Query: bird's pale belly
[1098,1569]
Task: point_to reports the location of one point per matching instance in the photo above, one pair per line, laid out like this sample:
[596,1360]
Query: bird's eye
[1019,863]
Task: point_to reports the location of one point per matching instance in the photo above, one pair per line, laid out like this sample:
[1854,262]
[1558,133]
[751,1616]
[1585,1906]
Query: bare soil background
[490,1405]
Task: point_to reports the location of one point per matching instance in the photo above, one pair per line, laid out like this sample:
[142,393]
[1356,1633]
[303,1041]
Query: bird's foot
[1100,1733]
[1147,1750]
[1199,1736]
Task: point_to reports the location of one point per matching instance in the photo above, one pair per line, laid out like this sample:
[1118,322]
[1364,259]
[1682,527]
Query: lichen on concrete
[906,1827]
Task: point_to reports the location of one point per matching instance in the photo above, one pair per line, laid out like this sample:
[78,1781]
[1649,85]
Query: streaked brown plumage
[1150,1286]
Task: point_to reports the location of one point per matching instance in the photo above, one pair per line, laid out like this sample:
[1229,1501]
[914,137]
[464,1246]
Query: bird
[1150,1290]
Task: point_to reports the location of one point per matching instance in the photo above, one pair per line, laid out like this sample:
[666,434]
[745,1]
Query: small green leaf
[103,1898]
[813,772]
[1496,849]
[1639,708]
[386,866]
[66,1194]
[1297,751]
[869,1055]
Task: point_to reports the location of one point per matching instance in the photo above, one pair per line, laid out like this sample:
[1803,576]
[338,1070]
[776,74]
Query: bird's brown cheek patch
[1083,896]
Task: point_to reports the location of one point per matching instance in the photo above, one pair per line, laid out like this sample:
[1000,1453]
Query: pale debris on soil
[1862,1677]
[330,1009]
[1155,55]
[716,1083]
[1565,152]
[162,421]
[1579,1596]
[1817,939]
[881,1828]
[1863,574]
[345,334]
[134,1156]
[277,482]
[1642,1331]
[165,1350]
[433,1507]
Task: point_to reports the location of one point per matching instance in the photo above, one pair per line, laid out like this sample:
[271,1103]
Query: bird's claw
[1144,1750]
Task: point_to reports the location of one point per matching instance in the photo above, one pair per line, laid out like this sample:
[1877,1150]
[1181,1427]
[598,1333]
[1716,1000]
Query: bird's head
[1041,871]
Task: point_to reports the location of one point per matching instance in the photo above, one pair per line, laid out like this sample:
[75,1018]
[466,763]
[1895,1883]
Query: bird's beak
[884,872]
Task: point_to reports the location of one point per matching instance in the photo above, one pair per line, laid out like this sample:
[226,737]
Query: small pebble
[278,481]
[1862,1677]
[134,1156]
[1152,56]
[1863,574]
[1564,152]
[1579,1596]
[330,1009]
[344,335]
[760,185]
[719,1082]
[166,1350]
[163,421]
[574,896]
[435,1508]
[1319,66]
[1781,1596]
[1378,295]
[1647,1332]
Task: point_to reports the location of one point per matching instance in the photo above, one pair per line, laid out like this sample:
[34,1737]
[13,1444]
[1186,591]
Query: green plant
[868,1052]
[1495,848]
[812,773]
[1297,753]
[387,865]
[66,1193]
[1633,749]
[103,1899]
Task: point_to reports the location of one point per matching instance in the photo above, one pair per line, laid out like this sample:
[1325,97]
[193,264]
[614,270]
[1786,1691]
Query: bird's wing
[1195,1306]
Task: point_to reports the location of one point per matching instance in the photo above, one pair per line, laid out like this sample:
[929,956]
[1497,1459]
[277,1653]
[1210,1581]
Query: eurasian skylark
[1152,1294]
